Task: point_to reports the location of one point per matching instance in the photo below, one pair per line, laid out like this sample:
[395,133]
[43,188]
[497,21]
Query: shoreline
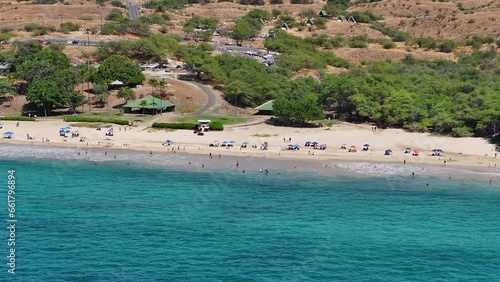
[250,164]
[472,155]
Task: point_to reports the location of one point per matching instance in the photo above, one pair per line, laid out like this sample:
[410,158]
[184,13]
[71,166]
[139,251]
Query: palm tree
[154,84]
[143,104]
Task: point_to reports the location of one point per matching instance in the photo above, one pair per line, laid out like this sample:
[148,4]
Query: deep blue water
[113,222]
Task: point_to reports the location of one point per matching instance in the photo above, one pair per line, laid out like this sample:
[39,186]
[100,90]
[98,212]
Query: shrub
[396,35]
[447,46]
[118,3]
[114,15]
[216,126]
[95,119]
[190,126]
[387,44]
[69,26]
[6,36]
[300,2]
[46,1]
[19,118]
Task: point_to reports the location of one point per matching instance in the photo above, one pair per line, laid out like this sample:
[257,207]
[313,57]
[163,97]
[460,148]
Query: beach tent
[110,130]
[8,134]
[314,143]
[353,147]
[307,144]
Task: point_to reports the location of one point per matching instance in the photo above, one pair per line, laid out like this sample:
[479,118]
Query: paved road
[133,9]
[212,98]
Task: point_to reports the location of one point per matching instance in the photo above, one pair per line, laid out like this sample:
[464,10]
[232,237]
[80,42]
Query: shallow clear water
[115,222]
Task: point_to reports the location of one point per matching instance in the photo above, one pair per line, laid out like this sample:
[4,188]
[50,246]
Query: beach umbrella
[216,141]
[99,126]
[297,145]
[169,141]
[231,142]
[408,149]
[366,145]
[224,142]
[315,143]
[353,147]
[110,130]
[8,134]
[68,127]
[1,124]
[416,151]
[388,151]
[245,143]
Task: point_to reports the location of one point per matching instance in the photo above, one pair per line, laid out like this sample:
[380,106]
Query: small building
[153,105]
[204,124]
[266,108]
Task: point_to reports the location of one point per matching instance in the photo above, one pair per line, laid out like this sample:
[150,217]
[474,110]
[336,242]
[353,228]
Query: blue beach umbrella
[1,124]
[232,142]
[68,127]
[366,145]
[314,143]
[8,134]
[245,143]
[224,142]
[297,145]
[408,149]
[110,130]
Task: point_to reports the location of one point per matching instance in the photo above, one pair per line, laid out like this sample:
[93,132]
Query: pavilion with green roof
[153,105]
[266,108]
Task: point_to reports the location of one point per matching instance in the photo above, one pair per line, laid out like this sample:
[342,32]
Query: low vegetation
[216,126]
[95,119]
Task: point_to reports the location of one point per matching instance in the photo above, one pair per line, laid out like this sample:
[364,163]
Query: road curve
[212,98]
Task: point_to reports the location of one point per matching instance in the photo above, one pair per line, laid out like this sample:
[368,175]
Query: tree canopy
[120,68]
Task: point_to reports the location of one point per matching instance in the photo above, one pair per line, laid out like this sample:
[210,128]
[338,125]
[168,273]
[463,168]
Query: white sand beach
[469,152]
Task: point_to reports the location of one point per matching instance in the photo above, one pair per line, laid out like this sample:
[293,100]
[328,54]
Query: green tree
[243,31]
[43,65]
[126,93]
[297,111]
[44,93]
[6,88]
[75,99]
[101,94]
[120,68]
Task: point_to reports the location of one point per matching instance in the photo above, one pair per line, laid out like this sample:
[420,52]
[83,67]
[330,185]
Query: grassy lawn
[89,124]
[221,119]
[117,114]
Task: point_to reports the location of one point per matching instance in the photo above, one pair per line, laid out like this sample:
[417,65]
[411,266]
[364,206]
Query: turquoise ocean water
[117,222]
